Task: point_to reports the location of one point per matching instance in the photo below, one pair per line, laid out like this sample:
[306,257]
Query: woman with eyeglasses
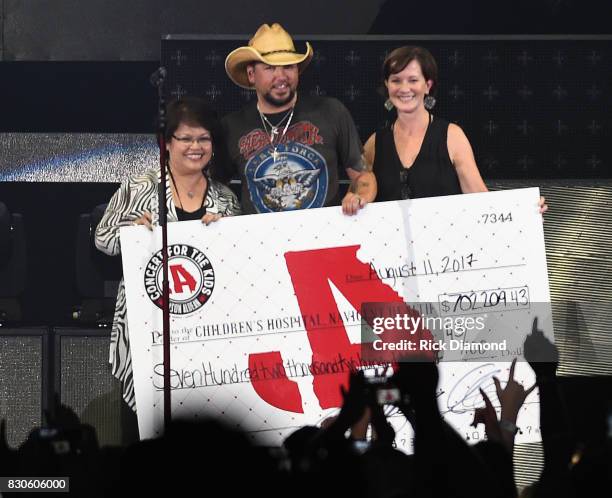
[196,190]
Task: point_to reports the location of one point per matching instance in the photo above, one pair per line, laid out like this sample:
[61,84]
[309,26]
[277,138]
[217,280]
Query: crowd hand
[512,396]
[417,378]
[352,203]
[542,205]
[146,219]
[62,416]
[542,355]
[354,400]
[326,423]
[209,218]
[382,430]
[486,415]
[359,429]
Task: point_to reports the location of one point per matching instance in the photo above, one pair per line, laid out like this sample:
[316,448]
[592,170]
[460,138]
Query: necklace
[190,194]
[274,128]
[273,133]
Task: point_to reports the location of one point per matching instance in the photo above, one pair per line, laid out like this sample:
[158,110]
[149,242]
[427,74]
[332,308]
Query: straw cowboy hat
[271,45]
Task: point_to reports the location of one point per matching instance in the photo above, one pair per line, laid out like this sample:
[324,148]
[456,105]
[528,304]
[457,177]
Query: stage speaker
[24,380]
[84,382]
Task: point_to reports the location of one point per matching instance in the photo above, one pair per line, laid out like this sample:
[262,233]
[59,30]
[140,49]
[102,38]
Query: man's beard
[279,102]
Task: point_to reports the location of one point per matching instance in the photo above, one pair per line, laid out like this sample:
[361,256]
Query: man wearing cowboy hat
[289,149]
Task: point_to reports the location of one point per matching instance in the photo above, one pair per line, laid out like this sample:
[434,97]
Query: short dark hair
[399,58]
[194,111]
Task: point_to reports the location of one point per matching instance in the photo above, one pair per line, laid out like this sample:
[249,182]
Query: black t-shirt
[320,139]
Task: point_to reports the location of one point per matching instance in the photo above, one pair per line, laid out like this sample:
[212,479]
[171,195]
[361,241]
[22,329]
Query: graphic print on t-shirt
[297,179]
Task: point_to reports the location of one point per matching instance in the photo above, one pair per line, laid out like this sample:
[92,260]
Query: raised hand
[512,396]
[542,355]
[488,417]
[355,399]
[417,378]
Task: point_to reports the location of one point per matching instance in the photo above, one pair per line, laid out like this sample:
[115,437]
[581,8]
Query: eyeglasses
[191,140]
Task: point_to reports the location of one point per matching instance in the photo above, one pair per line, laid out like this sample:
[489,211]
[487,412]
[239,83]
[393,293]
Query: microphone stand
[157,80]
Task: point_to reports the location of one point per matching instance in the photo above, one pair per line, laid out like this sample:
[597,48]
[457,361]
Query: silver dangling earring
[429,102]
[389,105]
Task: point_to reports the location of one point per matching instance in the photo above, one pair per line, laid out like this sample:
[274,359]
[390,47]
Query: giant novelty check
[266,309]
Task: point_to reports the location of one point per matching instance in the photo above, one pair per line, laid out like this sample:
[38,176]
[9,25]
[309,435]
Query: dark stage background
[520,100]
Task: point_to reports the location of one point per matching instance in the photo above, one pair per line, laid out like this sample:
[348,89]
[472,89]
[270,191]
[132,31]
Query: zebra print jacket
[135,196]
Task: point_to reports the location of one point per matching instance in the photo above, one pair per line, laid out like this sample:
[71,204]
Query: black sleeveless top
[182,215]
[432,173]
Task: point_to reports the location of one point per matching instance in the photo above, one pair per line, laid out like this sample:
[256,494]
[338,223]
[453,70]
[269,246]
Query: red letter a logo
[311,272]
